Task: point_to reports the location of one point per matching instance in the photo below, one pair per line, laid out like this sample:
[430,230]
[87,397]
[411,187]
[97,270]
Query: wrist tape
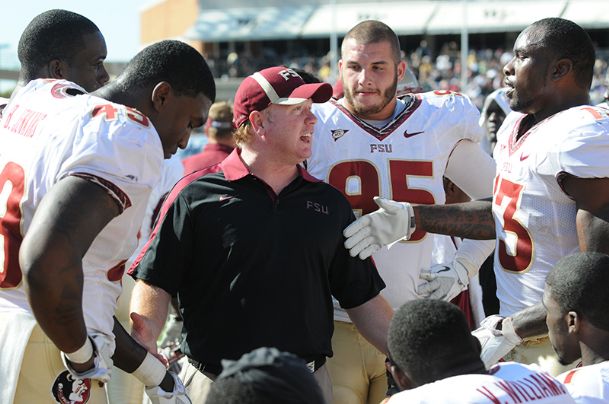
[151,371]
[82,354]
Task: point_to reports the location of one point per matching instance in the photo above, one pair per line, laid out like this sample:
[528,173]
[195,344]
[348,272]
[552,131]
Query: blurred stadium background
[438,37]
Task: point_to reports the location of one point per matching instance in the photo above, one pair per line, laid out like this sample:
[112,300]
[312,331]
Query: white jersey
[404,161]
[588,384]
[49,132]
[506,383]
[534,218]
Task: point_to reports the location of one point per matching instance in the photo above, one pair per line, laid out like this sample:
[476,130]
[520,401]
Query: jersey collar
[234,168]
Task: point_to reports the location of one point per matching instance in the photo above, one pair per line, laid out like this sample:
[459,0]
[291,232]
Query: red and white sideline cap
[275,85]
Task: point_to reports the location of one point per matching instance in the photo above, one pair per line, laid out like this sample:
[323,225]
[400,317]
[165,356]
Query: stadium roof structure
[291,19]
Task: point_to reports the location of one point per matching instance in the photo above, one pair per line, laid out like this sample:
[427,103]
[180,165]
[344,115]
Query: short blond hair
[243,134]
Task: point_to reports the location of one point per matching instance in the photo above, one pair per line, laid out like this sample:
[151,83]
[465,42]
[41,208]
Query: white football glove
[444,282]
[157,395]
[368,234]
[102,362]
[496,343]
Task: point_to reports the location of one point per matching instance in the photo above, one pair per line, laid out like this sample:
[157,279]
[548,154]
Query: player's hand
[444,282]
[391,222]
[159,396]
[496,343]
[102,361]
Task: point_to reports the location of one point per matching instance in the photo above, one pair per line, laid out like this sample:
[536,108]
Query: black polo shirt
[252,268]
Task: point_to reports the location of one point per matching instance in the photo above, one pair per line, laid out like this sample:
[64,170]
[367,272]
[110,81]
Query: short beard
[363,112]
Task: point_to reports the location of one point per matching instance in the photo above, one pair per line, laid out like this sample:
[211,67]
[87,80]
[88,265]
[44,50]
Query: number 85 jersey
[403,160]
[534,217]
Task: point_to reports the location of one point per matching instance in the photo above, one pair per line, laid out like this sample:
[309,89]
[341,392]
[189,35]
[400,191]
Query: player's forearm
[530,322]
[129,355]
[473,220]
[372,321]
[56,301]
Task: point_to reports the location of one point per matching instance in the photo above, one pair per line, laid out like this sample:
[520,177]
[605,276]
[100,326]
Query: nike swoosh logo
[407,135]
[523,157]
[446,269]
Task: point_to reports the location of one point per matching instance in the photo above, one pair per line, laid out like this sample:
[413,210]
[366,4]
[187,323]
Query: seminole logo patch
[338,133]
[69,390]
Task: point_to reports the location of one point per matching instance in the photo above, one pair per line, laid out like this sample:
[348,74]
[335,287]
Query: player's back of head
[430,340]
[265,376]
[373,31]
[54,34]
[568,40]
[171,61]
[580,283]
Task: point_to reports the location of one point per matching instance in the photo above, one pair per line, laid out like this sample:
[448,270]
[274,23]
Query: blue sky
[118,20]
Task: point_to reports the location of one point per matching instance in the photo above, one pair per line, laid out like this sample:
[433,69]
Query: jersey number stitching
[368,176]
[520,258]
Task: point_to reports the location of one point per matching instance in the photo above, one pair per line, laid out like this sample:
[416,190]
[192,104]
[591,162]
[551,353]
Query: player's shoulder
[581,116]
[58,88]
[445,390]
[598,371]
[503,369]
[587,383]
[103,119]
[325,109]
[446,99]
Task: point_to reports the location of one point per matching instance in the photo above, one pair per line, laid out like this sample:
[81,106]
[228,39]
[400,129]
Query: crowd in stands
[435,71]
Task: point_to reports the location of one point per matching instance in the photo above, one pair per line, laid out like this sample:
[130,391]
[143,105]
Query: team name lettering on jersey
[381,148]
[318,207]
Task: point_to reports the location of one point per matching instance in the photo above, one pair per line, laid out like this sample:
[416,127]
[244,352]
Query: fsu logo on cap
[69,390]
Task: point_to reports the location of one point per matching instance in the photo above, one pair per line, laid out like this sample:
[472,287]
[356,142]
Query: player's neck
[383,114]
[596,348]
[473,367]
[561,103]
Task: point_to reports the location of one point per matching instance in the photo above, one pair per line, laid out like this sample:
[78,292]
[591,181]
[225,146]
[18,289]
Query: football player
[370,143]
[434,359]
[576,299]
[77,171]
[551,190]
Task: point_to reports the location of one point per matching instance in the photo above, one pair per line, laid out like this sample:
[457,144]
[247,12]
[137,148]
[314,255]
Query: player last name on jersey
[533,387]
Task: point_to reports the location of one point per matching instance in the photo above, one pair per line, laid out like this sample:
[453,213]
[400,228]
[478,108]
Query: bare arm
[372,320]
[592,200]
[149,308]
[67,221]
[129,355]
[473,220]
[530,321]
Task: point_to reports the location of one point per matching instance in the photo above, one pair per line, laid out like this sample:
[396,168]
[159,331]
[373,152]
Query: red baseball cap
[275,85]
